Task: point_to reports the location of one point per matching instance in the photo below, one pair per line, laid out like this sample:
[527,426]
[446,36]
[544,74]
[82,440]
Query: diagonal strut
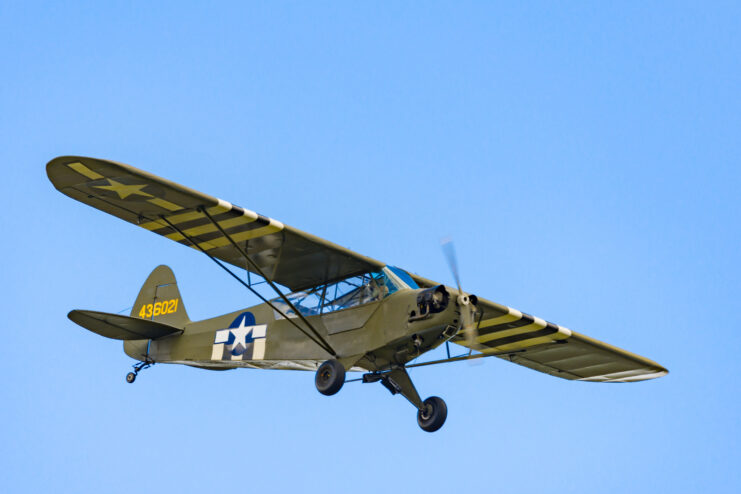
[270,282]
[319,341]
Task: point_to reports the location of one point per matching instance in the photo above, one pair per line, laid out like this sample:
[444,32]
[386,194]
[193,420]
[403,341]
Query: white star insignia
[123,190]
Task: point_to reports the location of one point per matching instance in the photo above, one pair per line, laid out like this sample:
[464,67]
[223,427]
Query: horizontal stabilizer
[120,327]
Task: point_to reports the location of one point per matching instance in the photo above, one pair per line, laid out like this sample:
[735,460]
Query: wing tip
[630,376]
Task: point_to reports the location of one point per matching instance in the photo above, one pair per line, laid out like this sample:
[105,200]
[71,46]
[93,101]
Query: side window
[383,284]
[307,302]
[351,292]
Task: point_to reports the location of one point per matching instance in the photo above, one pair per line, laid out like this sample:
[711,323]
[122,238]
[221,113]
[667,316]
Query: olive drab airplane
[344,311]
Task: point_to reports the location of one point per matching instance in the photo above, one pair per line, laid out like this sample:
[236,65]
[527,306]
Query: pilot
[376,289]
[383,289]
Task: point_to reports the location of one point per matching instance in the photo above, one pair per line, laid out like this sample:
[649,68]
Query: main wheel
[433,415]
[130,377]
[330,376]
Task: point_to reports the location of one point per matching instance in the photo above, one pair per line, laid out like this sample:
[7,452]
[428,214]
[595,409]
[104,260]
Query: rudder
[159,299]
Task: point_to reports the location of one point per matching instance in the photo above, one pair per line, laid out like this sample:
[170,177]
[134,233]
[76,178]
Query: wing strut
[318,340]
[270,282]
[463,357]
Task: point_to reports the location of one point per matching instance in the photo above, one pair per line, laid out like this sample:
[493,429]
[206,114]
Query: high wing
[288,256]
[547,347]
[298,260]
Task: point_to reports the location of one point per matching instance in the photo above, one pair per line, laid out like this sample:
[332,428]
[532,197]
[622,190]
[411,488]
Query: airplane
[334,310]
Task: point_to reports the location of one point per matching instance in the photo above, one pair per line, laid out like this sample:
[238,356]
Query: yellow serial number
[159,308]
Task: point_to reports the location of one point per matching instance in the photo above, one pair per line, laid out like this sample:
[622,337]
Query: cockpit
[347,293]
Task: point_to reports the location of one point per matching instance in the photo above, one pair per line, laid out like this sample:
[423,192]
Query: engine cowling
[430,301]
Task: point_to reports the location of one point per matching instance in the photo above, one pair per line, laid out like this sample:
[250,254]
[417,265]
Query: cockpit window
[350,292]
[404,276]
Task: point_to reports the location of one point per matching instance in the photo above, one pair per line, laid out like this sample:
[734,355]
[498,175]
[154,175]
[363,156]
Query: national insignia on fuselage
[242,340]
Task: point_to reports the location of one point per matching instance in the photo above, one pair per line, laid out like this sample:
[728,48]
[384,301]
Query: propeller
[467,303]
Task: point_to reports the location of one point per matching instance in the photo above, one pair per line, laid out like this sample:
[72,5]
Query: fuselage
[371,336]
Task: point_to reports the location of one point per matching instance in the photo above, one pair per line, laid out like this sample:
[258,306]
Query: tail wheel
[433,414]
[330,377]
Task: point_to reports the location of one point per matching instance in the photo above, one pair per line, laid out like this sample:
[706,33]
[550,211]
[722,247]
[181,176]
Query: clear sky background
[584,157]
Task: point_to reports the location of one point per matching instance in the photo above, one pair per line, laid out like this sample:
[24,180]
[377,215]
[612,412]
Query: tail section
[159,299]
[157,313]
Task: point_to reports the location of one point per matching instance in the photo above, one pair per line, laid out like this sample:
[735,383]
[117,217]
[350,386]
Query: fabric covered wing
[547,347]
[286,255]
[583,358]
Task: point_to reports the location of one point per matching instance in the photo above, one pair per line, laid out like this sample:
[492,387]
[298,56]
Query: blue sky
[584,157]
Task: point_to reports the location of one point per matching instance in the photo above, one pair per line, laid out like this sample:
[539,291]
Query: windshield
[404,276]
[350,292]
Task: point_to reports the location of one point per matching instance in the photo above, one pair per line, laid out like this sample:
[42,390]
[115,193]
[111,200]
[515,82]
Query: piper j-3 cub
[344,311]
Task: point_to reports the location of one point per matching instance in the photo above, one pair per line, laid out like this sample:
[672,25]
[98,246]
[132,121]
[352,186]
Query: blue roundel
[247,316]
[244,319]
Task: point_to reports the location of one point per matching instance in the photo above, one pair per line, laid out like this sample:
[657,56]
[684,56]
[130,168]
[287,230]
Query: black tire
[433,415]
[330,376]
[130,377]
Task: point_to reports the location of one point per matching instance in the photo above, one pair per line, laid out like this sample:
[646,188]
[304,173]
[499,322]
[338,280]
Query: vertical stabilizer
[159,299]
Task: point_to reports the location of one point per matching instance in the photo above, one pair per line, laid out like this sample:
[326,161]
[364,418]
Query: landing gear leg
[139,366]
[397,381]
[431,413]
